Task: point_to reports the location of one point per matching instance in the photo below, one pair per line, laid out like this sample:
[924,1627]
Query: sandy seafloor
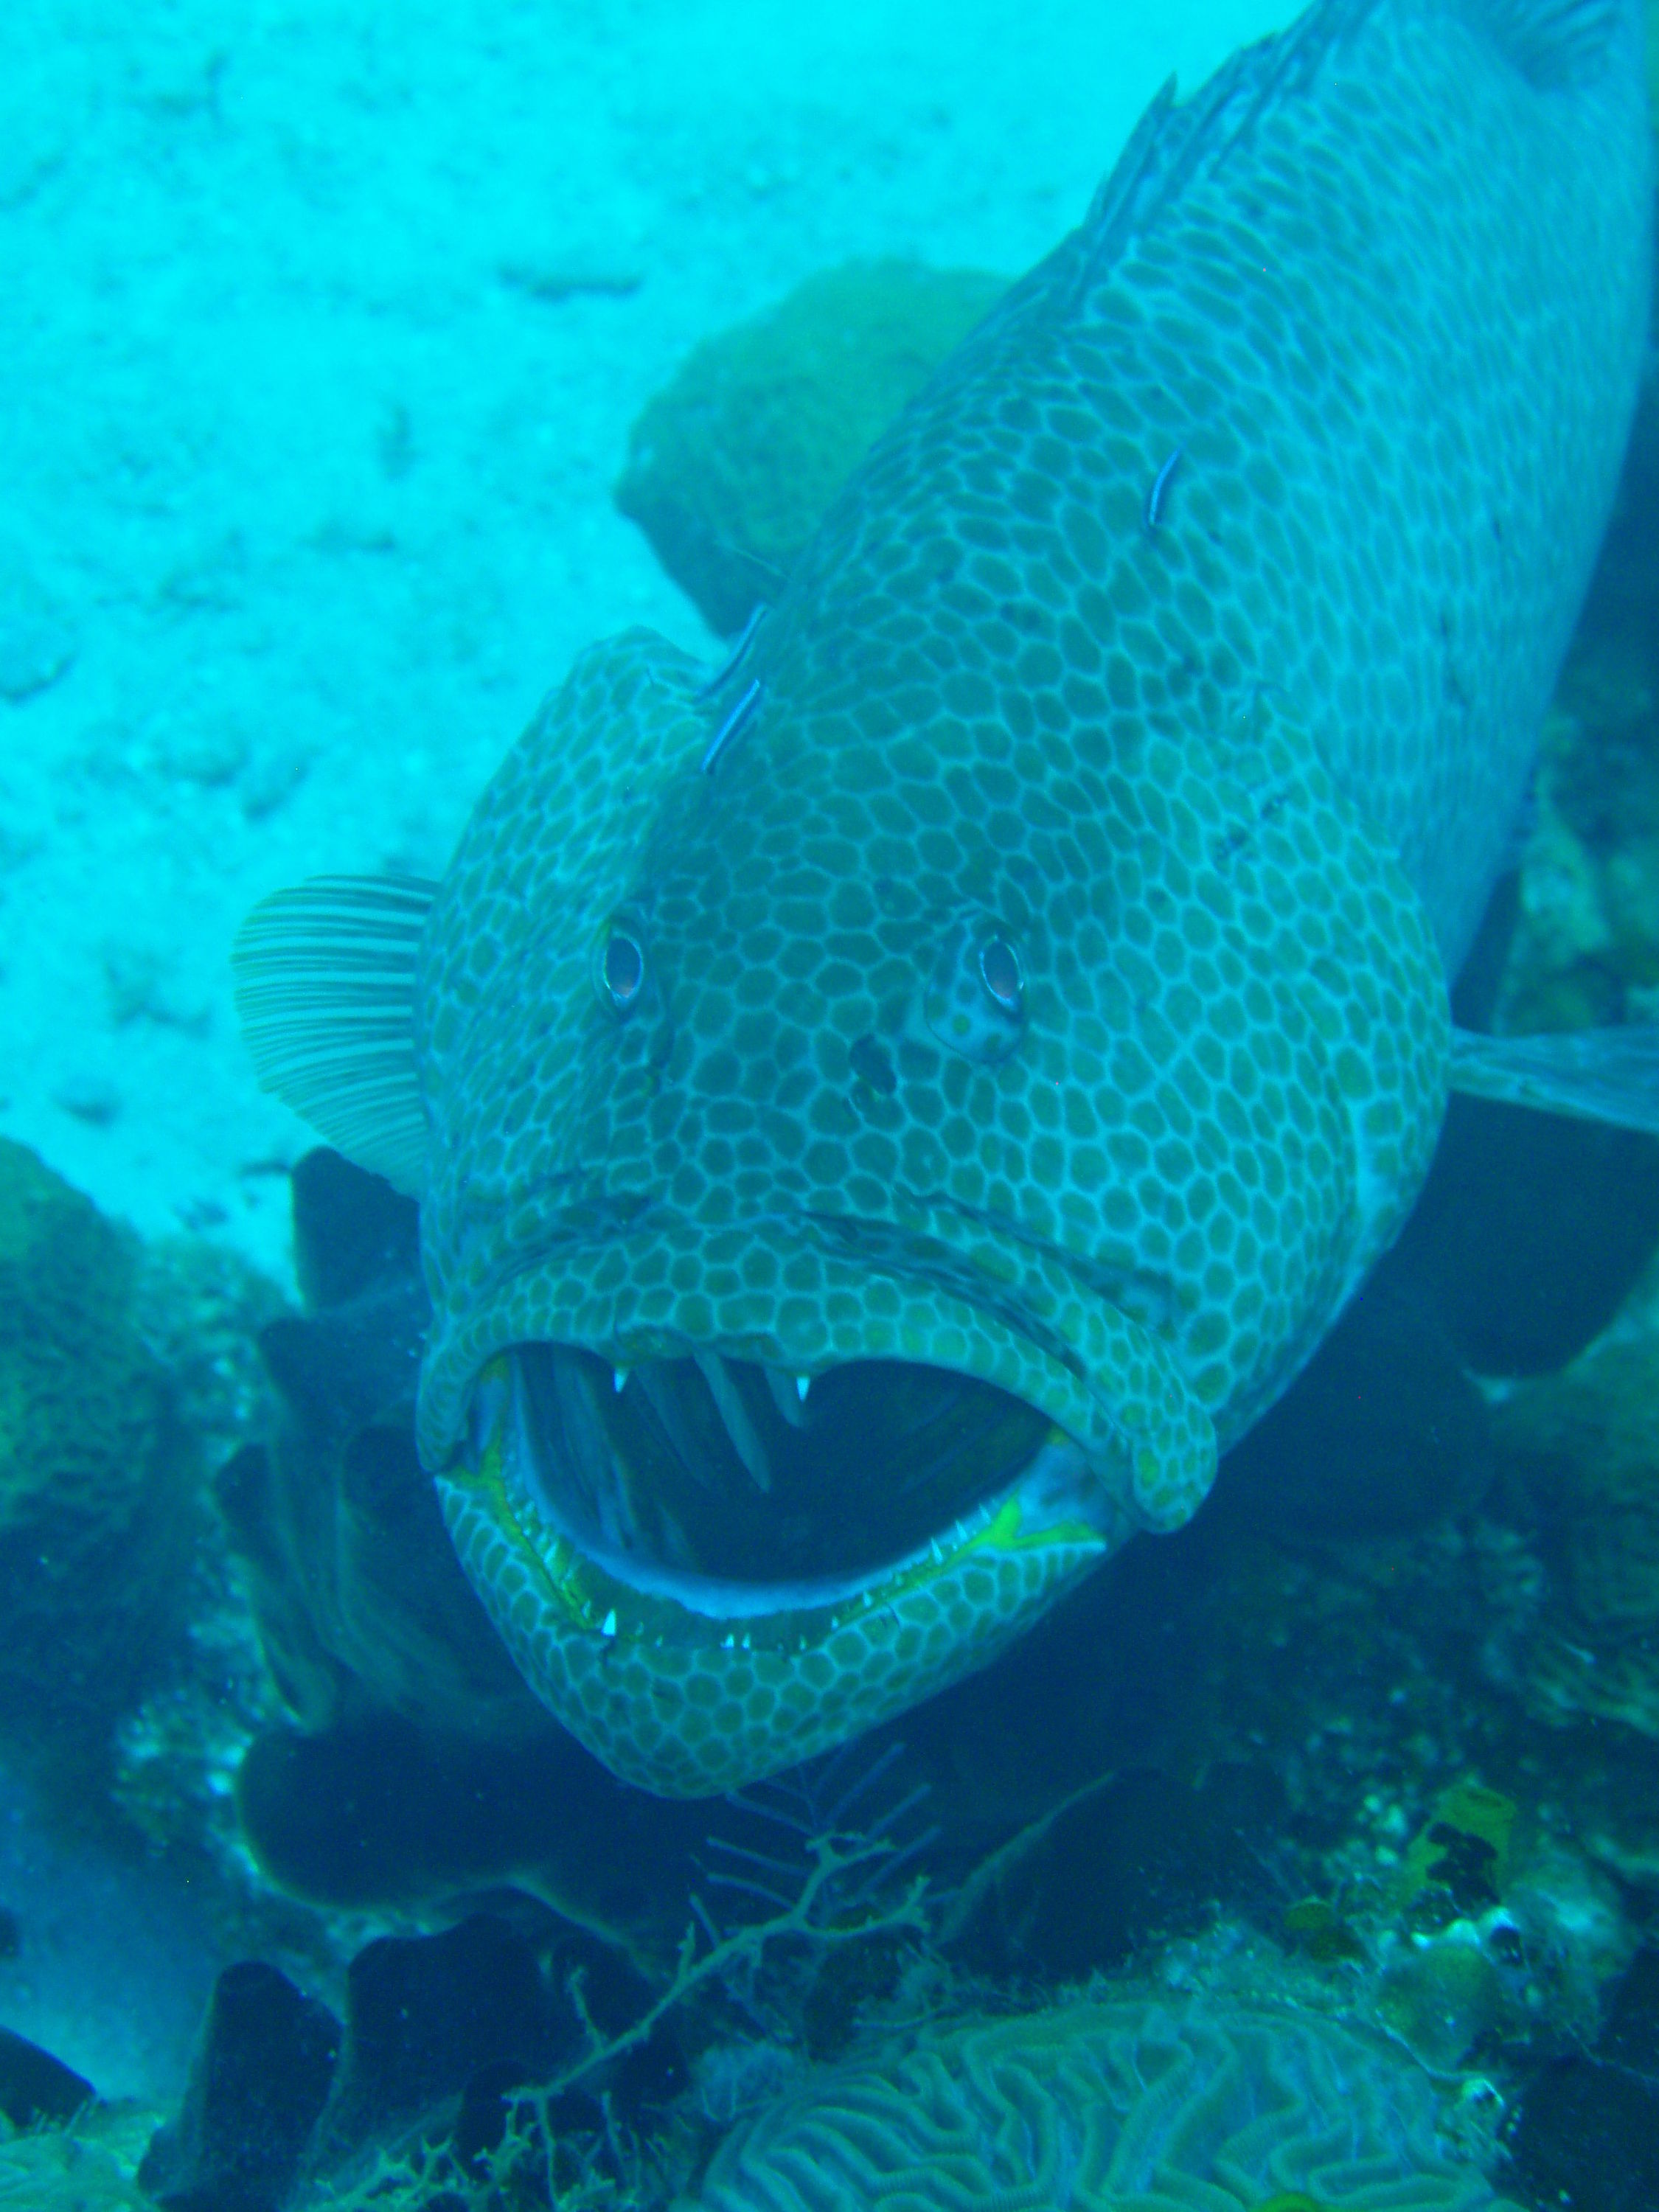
[304,486]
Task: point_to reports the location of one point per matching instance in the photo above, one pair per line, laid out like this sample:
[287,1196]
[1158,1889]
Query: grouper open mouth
[721,1484]
[715,1554]
[708,1578]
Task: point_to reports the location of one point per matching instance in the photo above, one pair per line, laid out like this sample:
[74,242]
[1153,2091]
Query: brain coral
[1202,2105]
[731,468]
[97,1482]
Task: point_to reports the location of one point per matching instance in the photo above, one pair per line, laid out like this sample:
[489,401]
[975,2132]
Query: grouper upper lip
[1039,1327]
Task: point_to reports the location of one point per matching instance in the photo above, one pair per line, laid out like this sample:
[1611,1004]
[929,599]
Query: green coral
[98,1481]
[1442,1999]
[731,469]
[1462,1854]
[1101,2104]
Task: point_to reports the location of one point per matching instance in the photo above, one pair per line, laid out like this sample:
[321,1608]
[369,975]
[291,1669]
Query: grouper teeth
[590,1446]
[735,1417]
[659,1396]
[619,1380]
[788,1394]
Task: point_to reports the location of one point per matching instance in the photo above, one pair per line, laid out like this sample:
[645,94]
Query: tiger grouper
[886,1112]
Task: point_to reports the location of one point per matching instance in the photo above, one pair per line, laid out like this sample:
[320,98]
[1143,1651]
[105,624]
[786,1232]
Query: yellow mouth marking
[691,1688]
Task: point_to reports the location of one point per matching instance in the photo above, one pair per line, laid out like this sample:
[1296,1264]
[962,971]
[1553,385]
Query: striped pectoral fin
[1609,1075]
[326,976]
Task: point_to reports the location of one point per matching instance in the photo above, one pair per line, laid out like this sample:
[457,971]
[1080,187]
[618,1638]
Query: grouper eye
[975,1000]
[622,968]
[1000,972]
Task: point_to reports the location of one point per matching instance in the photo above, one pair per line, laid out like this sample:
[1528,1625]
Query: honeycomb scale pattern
[1212,785]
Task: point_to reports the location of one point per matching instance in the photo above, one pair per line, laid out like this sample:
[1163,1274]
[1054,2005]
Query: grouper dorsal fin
[1609,1075]
[1173,142]
[1555,43]
[326,993]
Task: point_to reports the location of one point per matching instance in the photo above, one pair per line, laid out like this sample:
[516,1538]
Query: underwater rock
[1137,1856]
[1589,1440]
[200,1309]
[424,2015]
[1572,1936]
[380,1811]
[1569,1681]
[36,2089]
[1581,1462]
[284,2105]
[98,1502]
[732,467]
[1588,2130]
[258,2084]
[1100,2104]
[1631,2037]
[1587,943]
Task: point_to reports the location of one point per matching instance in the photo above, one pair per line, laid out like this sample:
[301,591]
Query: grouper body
[1030,961]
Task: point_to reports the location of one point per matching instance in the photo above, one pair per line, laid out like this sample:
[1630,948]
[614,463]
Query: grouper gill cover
[885,1113]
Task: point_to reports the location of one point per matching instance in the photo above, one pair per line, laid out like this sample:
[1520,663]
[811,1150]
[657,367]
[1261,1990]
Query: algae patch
[731,469]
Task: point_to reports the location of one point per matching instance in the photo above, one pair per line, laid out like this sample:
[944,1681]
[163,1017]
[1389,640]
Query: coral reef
[1589,1438]
[1587,946]
[1462,1854]
[1107,2102]
[410,1762]
[91,2166]
[1589,2134]
[1582,1464]
[98,1484]
[458,2050]
[732,467]
[360,1603]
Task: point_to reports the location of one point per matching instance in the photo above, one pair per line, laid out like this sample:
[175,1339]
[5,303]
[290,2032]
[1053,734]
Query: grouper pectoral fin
[1609,1075]
[325,990]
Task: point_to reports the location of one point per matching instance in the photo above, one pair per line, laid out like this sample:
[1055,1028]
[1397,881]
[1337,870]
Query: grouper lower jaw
[694,1662]
[688,1684]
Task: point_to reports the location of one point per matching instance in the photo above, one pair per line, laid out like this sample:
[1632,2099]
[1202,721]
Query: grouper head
[874,1135]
